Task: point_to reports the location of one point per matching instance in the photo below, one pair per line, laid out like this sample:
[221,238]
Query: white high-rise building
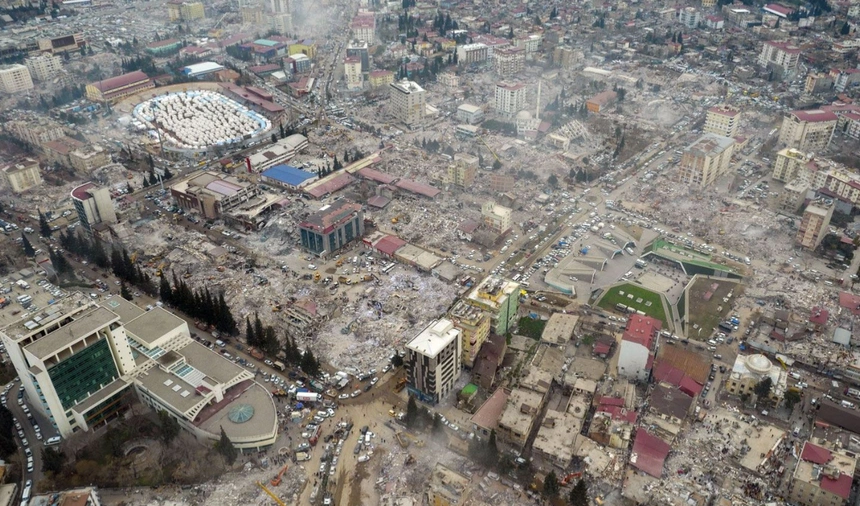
[15,78]
[433,360]
[408,102]
[510,98]
[93,205]
[44,67]
[352,73]
[722,120]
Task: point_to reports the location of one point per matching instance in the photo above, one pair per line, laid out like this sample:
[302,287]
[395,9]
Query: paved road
[35,445]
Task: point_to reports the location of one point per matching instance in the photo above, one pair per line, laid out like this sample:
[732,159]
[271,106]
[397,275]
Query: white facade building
[433,361]
[44,67]
[510,98]
[15,78]
[408,102]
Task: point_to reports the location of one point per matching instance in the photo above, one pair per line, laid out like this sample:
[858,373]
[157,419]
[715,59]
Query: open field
[706,305]
[637,297]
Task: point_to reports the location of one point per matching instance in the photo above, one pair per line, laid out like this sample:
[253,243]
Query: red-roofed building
[778,10]
[388,245]
[649,453]
[637,347]
[822,477]
[115,88]
[818,317]
[850,302]
[809,130]
[329,185]
[332,227]
[418,188]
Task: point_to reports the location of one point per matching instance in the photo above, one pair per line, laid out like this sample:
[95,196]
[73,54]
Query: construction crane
[271,494]
[481,138]
[277,479]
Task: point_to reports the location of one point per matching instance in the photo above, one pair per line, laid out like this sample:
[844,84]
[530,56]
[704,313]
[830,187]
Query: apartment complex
[35,131]
[280,16]
[15,78]
[782,55]
[408,102]
[499,298]
[380,78]
[636,353]
[119,87]
[44,67]
[566,56]
[474,327]
[789,163]
[722,120]
[497,218]
[88,158]
[177,10]
[814,225]
[352,73]
[468,54]
[690,17]
[21,175]
[332,227]
[509,62]
[364,27]
[94,205]
[80,362]
[749,370]
[433,360]
[461,174]
[822,476]
[211,194]
[510,98]
[470,114]
[808,131]
[706,160]
[359,49]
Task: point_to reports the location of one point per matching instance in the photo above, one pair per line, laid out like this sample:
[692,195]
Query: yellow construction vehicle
[158,271]
[277,479]
[317,277]
[396,218]
[276,308]
[404,443]
[271,494]
[134,257]
[339,262]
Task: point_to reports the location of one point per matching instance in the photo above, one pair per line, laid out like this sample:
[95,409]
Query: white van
[53,441]
[220,343]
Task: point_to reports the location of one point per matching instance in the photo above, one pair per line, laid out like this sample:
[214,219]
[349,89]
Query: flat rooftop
[84,325]
[263,423]
[434,338]
[148,327]
[559,328]
[127,311]
[521,410]
[557,434]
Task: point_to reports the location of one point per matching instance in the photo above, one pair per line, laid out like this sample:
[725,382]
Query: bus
[388,268]
[851,392]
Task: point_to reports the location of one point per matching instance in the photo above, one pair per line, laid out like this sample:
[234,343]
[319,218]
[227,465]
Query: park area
[636,297]
[708,303]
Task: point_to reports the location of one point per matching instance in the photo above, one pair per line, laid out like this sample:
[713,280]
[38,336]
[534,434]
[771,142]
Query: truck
[302,456]
[308,397]
[401,383]
[279,365]
[254,352]
[726,326]
[315,436]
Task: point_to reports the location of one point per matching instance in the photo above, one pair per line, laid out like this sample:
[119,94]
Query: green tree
[124,292]
[791,398]
[309,364]
[249,332]
[492,449]
[579,494]
[28,248]
[437,424]
[411,416]
[396,360]
[225,447]
[169,426]
[53,460]
[763,387]
[550,485]
[44,226]
[552,180]
[497,165]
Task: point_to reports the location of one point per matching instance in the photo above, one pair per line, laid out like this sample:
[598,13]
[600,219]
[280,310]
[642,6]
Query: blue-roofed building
[287,176]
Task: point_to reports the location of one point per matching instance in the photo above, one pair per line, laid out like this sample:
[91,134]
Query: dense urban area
[443,253]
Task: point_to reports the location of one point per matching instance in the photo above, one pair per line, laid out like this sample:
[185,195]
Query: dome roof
[759,364]
[240,413]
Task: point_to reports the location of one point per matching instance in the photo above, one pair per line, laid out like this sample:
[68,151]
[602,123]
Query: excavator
[271,494]
[317,276]
[277,479]
[567,479]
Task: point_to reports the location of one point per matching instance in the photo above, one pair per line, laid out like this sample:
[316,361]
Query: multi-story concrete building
[280,16]
[749,370]
[822,477]
[177,10]
[468,54]
[35,131]
[510,98]
[408,102]
[93,205]
[818,83]
[780,55]
[80,361]
[814,225]
[447,487]
[722,120]
[470,114]
[352,73]
[636,353]
[433,361]
[509,62]
[789,164]
[116,88]
[529,43]
[281,152]
[461,174]
[44,67]
[380,78]
[499,297]
[566,56]
[364,27]
[599,102]
[690,17]
[88,158]
[474,326]
[332,227]
[792,196]
[497,218]
[212,194]
[21,175]
[809,130]
[706,160]
[359,49]
[15,78]
[62,44]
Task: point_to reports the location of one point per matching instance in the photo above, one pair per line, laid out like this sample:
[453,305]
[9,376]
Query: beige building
[380,78]
[185,11]
[34,131]
[497,218]
[818,83]
[212,194]
[509,61]
[823,476]
[706,160]
[789,164]
[722,120]
[20,176]
[352,73]
[88,158]
[474,325]
[510,98]
[408,102]
[44,67]
[782,54]
[462,175]
[566,56]
[814,225]
[447,487]
[749,370]
[792,196]
[15,78]
[808,131]
[94,205]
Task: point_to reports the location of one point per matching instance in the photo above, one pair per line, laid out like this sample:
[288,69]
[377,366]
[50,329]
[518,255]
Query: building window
[83,373]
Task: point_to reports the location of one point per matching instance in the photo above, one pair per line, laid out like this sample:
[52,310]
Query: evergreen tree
[128,187]
[167,174]
[550,485]
[164,290]
[492,449]
[309,364]
[411,416]
[269,342]
[249,332]
[53,460]
[145,182]
[44,226]
[226,449]
[579,494]
[28,248]
[170,428]
[153,179]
